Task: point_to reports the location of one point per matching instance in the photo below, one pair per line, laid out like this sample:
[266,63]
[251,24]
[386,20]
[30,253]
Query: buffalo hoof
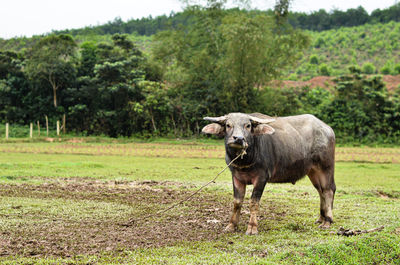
[325,225]
[230,228]
[252,230]
[319,221]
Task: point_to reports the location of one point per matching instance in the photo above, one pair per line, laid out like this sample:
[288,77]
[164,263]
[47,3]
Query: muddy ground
[39,233]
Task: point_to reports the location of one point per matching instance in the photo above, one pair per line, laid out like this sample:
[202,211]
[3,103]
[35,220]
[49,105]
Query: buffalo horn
[221,119]
[261,121]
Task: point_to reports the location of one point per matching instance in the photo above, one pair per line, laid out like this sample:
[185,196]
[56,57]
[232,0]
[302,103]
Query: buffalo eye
[248,126]
[228,126]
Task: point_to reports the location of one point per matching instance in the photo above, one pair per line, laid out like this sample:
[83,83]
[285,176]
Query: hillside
[333,51]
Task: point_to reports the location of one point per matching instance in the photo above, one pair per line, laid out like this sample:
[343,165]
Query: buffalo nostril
[238,139]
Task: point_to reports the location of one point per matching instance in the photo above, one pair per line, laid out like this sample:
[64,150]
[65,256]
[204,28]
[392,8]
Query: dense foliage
[322,20]
[331,52]
[317,20]
[219,62]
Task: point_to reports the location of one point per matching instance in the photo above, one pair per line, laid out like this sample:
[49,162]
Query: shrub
[314,59]
[293,77]
[324,70]
[319,42]
[368,68]
[385,70]
[397,68]
[354,69]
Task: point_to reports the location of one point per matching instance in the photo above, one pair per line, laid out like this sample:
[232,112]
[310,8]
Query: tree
[221,58]
[361,108]
[255,51]
[15,89]
[117,73]
[8,63]
[155,105]
[52,59]
[88,59]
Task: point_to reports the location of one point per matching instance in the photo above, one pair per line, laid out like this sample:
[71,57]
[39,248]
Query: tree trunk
[55,96]
[53,84]
[47,126]
[173,123]
[152,121]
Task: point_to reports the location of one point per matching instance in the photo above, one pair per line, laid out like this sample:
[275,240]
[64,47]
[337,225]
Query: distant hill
[316,21]
[375,48]
[336,44]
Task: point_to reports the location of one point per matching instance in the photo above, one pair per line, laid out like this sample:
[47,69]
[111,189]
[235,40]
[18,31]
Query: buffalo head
[239,128]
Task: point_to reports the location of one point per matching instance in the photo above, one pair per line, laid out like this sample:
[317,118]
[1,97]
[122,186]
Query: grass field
[67,203]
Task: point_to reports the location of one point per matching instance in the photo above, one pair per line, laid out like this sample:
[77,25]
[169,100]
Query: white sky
[34,17]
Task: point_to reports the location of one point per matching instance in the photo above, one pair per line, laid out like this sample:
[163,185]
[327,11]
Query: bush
[354,69]
[324,70]
[397,69]
[314,59]
[368,68]
[385,70]
[293,77]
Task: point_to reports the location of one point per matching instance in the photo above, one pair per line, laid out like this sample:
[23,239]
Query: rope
[132,221]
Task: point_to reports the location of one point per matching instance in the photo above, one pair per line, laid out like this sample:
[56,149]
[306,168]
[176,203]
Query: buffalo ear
[263,129]
[213,128]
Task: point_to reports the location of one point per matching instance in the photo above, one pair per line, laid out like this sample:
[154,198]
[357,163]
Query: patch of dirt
[67,231]
[318,81]
[39,233]
[392,82]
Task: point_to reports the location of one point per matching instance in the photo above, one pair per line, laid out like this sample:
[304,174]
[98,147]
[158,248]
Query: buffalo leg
[323,181]
[255,206]
[239,190]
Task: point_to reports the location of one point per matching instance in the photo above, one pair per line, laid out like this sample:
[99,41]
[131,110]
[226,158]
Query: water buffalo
[278,150]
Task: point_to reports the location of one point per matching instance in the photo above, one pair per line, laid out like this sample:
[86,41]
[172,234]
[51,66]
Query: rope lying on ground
[348,232]
[132,221]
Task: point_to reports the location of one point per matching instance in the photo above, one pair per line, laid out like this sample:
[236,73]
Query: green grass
[367,197]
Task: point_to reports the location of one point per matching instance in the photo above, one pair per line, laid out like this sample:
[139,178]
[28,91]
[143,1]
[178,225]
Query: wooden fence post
[47,126]
[7,131]
[58,128]
[63,126]
[38,128]
[31,130]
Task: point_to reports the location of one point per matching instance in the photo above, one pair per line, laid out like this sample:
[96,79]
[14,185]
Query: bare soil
[38,233]
[392,82]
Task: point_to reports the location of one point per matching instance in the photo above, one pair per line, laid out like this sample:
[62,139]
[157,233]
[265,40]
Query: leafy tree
[9,62]
[361,109]
[14,88]
[224,55]
[88,59]
[52,59]
[155,107]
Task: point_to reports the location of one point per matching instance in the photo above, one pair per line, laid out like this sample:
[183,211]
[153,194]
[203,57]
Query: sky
[34,17]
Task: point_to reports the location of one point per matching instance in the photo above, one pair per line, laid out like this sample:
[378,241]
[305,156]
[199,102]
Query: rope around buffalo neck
[133,220]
